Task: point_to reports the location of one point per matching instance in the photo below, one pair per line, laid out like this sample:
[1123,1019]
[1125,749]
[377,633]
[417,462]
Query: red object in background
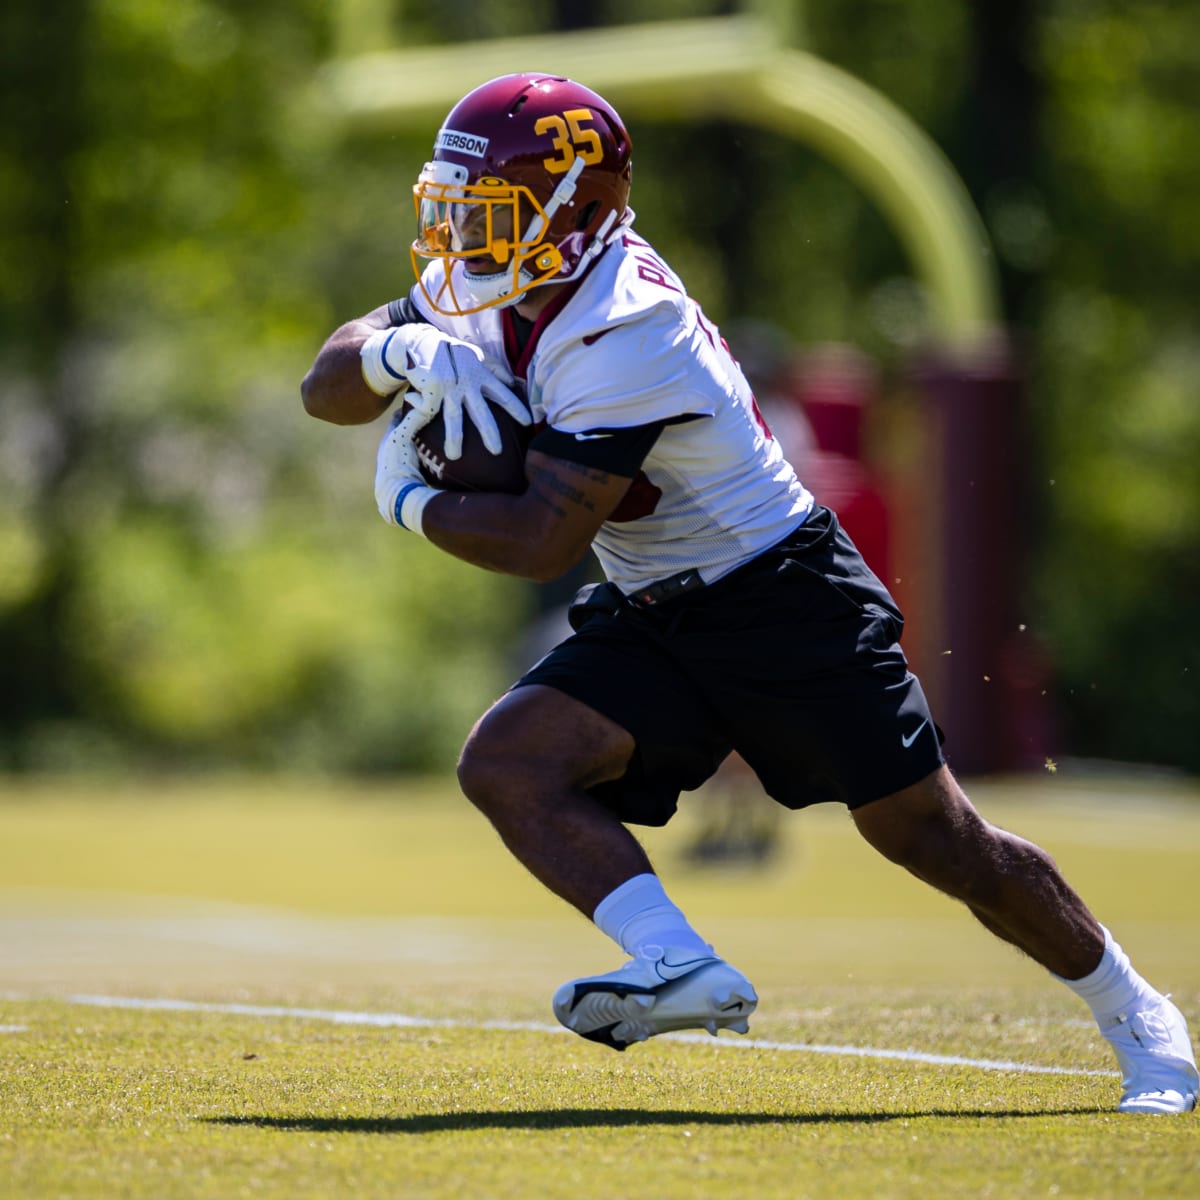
[835,385]
[995,672]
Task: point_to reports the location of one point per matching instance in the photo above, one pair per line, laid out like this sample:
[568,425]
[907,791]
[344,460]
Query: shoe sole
[618,1015]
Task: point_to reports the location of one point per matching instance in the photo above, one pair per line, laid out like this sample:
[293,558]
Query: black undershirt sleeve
[404,312]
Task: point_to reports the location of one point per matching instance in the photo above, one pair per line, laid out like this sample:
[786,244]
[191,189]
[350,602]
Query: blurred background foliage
[192,571]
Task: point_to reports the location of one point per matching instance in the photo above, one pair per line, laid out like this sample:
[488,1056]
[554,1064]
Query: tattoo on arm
[558,491]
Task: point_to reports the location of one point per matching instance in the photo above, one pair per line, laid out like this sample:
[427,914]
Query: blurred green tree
[176,576]
[1111,227]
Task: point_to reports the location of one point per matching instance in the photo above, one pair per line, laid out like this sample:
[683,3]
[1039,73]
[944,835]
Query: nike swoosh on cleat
[906,742]
[692,963]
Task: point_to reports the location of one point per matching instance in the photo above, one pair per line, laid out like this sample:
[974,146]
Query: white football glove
[401,491]
[448,375]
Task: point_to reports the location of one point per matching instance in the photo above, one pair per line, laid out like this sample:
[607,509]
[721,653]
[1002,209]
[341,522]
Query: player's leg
[1012,886]
[557,777]
[528,765]
[854,725]
[1015,889]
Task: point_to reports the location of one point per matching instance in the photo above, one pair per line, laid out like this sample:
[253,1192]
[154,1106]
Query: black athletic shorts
[792,660]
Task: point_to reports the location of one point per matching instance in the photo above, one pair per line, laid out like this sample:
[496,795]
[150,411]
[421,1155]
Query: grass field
[315,989]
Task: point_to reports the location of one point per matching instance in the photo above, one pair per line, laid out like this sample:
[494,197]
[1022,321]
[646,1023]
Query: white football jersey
[628,348]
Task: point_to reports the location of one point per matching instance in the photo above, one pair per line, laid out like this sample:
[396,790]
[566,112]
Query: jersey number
[570,139]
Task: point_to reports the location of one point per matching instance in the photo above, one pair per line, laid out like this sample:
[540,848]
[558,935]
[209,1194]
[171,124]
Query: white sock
[639,913]
[1114,986]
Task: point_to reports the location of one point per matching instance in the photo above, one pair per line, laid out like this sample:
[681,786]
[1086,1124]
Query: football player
[737,615]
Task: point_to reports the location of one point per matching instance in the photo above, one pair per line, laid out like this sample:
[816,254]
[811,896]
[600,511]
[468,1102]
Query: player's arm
[574,486]
[334,389]
[537,535]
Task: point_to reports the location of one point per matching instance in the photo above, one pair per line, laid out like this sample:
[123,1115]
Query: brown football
[478,470]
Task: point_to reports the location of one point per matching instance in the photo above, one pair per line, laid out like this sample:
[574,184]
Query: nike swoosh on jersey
[912,737]
[590,437]
[590,339]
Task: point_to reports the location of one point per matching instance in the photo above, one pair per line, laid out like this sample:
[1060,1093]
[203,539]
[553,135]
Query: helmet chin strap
[559,197]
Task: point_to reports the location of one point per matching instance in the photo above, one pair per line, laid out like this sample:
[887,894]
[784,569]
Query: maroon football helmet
[529,181]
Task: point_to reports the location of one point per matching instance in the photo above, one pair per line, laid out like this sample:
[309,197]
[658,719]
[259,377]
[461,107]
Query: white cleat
[1158,1066]
[657,992]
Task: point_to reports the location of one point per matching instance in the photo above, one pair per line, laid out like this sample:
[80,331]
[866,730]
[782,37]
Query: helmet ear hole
[587,215]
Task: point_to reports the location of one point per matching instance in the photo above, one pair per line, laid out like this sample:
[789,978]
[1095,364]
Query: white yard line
[13,1028]
[402,1021]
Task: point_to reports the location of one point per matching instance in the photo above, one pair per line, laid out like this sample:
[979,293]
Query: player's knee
[533,747]
[486,768]
[497,772]
[973,862]
[963,865]
[949,846]
[917,845]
